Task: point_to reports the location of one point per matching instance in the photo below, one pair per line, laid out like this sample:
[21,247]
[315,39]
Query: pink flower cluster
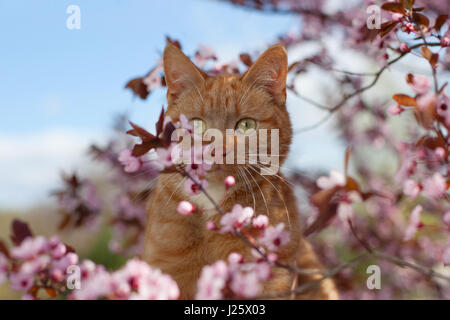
[78,200]
[37,263]
[197,167]
[135,281]
[271,237]
[346,198]
[238,279]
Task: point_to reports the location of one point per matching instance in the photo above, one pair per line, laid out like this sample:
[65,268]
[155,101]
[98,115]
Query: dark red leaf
[429,55]
[440,20]
[140,132]
[327,209]
[144,147]
[69,248]
[393,7]
[52,293]
[387,27]
[167,136]
[404,100]
[138,87]
[351,184]
[20,231]
[420,19]
[65,222]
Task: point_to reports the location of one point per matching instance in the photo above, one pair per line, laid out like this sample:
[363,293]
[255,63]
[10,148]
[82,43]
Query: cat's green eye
[198,125]
[246,126]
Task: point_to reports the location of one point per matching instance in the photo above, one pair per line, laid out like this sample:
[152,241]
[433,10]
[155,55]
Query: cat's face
[245,104]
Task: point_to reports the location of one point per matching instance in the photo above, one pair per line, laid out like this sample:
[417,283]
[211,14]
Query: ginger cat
[181,245]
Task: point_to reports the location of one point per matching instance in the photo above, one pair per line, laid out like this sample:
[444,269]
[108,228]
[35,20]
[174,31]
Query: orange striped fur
[181,245]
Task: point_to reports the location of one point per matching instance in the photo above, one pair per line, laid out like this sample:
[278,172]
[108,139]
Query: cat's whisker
[235,169]
[279,193]
[282,179]
[175,190]
[247,182]
[260,190]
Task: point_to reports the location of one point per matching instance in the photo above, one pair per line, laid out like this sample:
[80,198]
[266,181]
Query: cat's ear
[180,73]
[269,71]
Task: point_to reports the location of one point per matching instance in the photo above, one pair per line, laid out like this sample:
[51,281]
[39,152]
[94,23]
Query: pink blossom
[135,281]
[35,265]
[235,258]
[397,17]
[20,281]
[68,203]
[203,55]
[56,247]
[95,287]
[146,282]
[193,188]
[168,157]
[435,186]
[333,180]
[411,188]
[89,197]
[89,268]
[229,182]
[395,109]
[444,111]
[246,279]
[198,165]
[414,223]
[404,47]
[210,225]
[212,280]
[274,237]
[30,248]
[130,162]
[446,255]
[66,261]
[238,218]
[420,84]
[409,27]
[345,207]
[3,268]
[446,218]
[440,153]
[185,124]
[153,80]
[246,285]
[261,221]
[185,208]
[426,100]
[345,211]
[272,257]
[129,210]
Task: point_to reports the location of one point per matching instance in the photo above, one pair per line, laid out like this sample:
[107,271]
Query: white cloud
[30,164]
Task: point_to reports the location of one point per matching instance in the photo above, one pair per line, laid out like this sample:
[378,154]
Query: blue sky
[60,88]
[53,76]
